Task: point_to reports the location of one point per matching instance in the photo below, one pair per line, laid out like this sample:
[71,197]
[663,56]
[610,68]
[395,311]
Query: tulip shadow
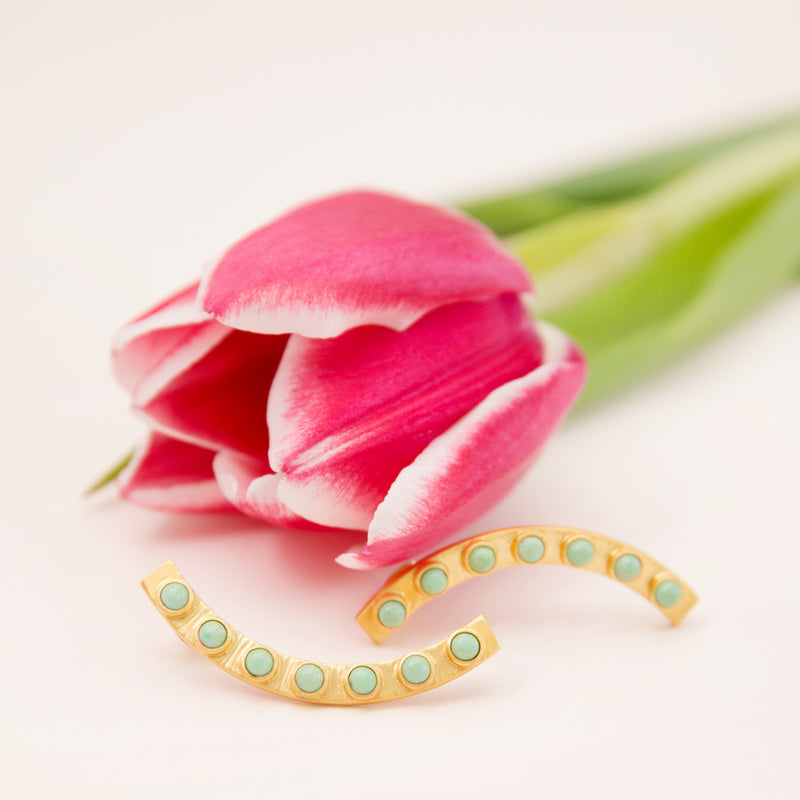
[305,557]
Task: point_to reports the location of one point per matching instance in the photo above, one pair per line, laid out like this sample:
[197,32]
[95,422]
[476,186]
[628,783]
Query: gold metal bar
[282,678]
[405,585]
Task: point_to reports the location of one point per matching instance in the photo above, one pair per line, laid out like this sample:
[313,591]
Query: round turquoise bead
[482,558]
[415,669]
[392,613]
[580,552]
[212,634]
[668,593]
[309,678]
[433,580]
[465,646]
[362,680]
[530,549]
[259,662]
[628,567]
[174,596]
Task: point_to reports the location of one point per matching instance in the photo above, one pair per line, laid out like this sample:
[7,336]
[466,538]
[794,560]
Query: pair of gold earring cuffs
[390,607]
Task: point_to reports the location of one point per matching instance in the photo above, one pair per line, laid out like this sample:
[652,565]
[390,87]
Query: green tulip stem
[526,208]
[609,241]
[108,477]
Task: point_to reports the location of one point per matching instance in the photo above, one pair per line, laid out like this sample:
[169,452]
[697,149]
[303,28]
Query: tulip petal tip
[169,475]
[354,259]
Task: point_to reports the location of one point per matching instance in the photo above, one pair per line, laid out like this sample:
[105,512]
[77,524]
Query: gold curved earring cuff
[418,582]
[308,681]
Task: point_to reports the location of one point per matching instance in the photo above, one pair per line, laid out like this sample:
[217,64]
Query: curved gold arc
[336,689]
[405,585]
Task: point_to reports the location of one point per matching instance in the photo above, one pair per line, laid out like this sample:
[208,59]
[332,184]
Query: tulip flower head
[363,362]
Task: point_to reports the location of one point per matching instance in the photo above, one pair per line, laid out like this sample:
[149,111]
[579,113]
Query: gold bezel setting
[385,599]
[354,694]
[213,651]
[302,693]
[565,545]
[422,569]
[518,539]
[468,551]
[462,662]
[259,678]
[179,612]
[407,683]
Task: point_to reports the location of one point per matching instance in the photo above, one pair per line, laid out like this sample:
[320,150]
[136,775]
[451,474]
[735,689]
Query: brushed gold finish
[336,690]
[404,585]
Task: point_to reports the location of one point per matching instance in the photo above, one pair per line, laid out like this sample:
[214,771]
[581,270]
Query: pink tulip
[362,362]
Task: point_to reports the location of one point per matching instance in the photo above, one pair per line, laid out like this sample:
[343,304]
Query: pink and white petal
[147,339]
[172,476]
[347,414]
[359,258]
[463,472]
[250,485]
[212,389]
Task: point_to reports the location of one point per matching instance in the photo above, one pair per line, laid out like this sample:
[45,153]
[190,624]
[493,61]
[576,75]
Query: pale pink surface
[463,472]
[172,476]
[356,259]
[347,414]
[425,408]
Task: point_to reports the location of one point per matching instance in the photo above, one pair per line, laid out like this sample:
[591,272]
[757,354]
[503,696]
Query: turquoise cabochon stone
[530,549]
[212,634]
[362,680]
[481,559]
[465,646]
[668,593]
[580,552]
[174,596]
[415,669]
[392,613]
[309,678]
[259,662]
[433,580]
[627,567]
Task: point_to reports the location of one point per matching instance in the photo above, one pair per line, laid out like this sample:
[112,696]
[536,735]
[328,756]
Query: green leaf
[109,475]
[546,246]
[647,224]
[617,277]
[720,280]
[511,213]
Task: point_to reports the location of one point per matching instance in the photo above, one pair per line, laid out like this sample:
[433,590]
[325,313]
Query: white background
[138,140]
